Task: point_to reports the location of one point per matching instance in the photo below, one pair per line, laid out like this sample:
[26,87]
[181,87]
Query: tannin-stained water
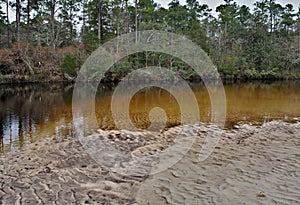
[29,112]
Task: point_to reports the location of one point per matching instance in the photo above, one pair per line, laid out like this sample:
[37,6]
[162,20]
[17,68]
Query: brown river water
[29,112]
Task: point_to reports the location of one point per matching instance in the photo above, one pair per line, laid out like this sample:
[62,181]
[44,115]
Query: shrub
[70,65]
[1,78]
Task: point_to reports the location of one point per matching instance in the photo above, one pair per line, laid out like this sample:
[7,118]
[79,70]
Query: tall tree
[147,14]
[18,18]
[50,7]
[288,18]
[127,16]
[7,22]
[69,14]
[117,17]
[136,19]
[99,6]
[28,21]
[2,23]
[96,23]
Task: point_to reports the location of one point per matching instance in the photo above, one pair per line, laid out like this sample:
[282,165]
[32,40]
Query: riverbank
[56,76]
[251,164]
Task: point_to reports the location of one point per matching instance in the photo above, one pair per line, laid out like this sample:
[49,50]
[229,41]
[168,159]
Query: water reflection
[26,109]
[28,112]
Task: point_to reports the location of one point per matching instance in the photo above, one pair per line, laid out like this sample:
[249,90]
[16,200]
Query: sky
[214,3]
[211,3]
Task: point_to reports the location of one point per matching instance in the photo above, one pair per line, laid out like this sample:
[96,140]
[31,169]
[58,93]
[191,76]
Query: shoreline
[8,80]
[262,162]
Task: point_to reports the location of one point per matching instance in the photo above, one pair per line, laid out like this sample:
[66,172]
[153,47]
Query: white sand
[249,166]
[263,168]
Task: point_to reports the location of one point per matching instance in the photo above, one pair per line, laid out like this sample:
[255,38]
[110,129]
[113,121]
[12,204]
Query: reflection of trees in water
[24,108]
[29,111]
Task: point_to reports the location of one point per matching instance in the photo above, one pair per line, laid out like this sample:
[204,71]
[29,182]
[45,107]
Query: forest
[49,40]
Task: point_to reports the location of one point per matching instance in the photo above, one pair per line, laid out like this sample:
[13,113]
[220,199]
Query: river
[31,111]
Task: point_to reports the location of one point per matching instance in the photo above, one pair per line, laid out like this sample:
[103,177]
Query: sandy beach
[250,165]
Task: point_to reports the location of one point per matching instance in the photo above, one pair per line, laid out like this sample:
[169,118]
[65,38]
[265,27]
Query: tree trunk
[8,27]
[28,21]
[127,17]
[99,21]
[18,17]
[136,20]
[271,21]
[52,22]
[225,36]
[71,27]
[299,35]
[1,129]
[83,18]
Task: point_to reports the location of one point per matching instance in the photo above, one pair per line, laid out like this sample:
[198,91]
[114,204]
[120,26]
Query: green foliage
[70,65]
[90,40]
[1,78]
[251,73]
[256,43]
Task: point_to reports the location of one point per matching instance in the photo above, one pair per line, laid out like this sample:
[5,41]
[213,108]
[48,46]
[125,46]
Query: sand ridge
[250,165]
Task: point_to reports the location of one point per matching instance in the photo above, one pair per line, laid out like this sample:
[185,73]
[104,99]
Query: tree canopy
[241,42]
